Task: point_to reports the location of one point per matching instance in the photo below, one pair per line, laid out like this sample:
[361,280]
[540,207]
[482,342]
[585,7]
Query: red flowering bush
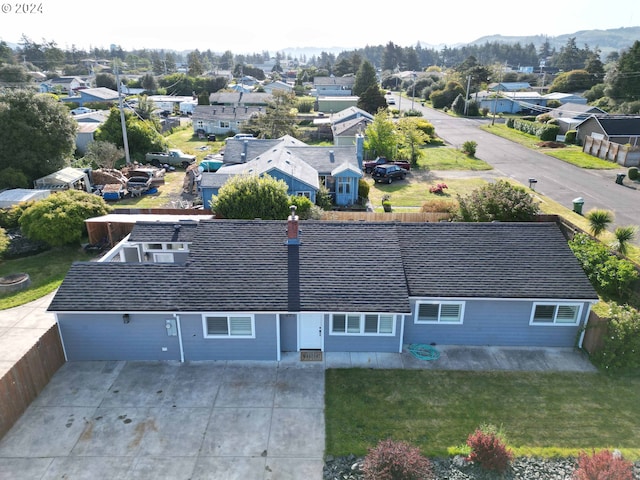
[391,460]
[438,189]
[489,451]
[603,465]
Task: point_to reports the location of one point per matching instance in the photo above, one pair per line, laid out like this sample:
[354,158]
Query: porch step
[310,356]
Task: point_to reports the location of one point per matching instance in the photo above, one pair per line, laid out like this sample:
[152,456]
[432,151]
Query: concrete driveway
[142,420]
[204,420]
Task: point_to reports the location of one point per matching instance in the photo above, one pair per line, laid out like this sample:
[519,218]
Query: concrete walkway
[20,329]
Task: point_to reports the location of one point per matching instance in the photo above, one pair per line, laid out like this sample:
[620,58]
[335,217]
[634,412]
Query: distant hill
[615,39]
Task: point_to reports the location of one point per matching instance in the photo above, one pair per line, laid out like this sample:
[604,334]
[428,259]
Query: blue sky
[258,25]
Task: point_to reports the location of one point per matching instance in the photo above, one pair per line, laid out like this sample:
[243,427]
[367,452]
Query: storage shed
[66,179]
[15,196]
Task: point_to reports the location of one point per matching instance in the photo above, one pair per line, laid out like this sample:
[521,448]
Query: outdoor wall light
[126,318]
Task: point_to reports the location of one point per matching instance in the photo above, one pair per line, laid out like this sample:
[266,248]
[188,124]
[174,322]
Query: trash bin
[577,205]
[619,178]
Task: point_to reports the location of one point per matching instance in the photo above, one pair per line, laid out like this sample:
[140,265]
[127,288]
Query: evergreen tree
[365,78]
[624,79]
[372,100]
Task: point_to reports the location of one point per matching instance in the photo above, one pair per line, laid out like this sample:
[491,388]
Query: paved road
[557,180]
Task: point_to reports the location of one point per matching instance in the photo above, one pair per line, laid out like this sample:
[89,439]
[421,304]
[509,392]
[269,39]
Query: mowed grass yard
[571,153]
[410,194]
[548,414]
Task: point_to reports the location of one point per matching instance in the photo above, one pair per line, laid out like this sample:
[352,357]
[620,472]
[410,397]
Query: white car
[81,110]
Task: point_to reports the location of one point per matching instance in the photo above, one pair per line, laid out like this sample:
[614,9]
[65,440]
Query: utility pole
[413,92]
[466,100]
[125,140]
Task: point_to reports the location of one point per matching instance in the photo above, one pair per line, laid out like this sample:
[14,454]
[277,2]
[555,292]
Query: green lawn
[410,194]
[448,158]
[46,271]
[571,153]
[162,199]
[541,414]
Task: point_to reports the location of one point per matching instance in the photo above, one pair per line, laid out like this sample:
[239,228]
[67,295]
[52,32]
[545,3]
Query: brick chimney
[292,228]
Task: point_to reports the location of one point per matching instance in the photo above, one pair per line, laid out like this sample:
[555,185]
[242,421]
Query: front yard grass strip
[411,194]
[541,413]
[449,158]
[571,153]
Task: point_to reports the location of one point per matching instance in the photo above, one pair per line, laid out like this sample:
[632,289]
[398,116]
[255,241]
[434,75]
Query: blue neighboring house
[302,167]
[253,289]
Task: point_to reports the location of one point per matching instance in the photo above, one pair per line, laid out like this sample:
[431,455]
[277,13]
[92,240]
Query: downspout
[401,333]
[64,350]
[584,327]
[278,349]
[179,328]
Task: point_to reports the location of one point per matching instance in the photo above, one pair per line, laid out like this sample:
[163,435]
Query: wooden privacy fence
[386,217]
[625,155]
[28,377]
[594,334]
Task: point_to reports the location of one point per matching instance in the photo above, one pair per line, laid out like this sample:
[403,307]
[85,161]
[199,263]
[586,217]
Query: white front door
[310,331]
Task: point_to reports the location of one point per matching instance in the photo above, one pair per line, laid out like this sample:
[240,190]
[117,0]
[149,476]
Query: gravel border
[457,468]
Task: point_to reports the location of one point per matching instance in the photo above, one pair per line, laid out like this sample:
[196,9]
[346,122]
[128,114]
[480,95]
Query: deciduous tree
[412,137]
[251,196]
[142,135]
[37,135]
[498,201]
[59,219]
[381,136]
[279,117]
[104,154]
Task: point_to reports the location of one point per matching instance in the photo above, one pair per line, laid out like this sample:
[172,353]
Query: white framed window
[163,257]
[229,326]
[549,313]
[362,324]
[344,185]
[163,247]
[303,193]
[224,124]
[450,313]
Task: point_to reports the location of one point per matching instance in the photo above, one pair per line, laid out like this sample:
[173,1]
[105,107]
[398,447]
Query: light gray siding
[96,336]
[361,343]
[495,322]
[196,347]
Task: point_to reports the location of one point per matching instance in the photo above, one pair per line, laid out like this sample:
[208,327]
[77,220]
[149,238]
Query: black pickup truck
[370,166]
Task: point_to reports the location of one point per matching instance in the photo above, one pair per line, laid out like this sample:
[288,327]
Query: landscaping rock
[457,468]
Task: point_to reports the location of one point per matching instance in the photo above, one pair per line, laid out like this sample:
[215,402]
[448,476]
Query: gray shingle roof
[241,265]
[180,231]
[278,158]
[494,260]
[622,125]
